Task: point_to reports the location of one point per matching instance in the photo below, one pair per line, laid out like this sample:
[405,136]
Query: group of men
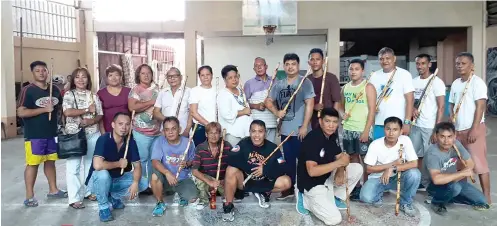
[392,124]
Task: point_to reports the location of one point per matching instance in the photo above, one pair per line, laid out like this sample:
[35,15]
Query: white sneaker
[262,201]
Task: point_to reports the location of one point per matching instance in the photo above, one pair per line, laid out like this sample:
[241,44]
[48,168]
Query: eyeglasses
[172,76]
[212,133]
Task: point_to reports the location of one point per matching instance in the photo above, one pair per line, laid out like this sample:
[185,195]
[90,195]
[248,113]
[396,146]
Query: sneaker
[290,193]
[428,199]
[183,202]
[159,209]
[421,187]
[355,195]
[408,210]
[262,200]
[340,204]
[439,209]
[105,215]
[236,200]
[481,207]
[299,205]
[267,196]
[117,204]
[200,205]
[228,212]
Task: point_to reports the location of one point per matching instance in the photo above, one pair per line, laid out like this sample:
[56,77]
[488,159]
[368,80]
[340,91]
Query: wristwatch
[407,121]
[394,169]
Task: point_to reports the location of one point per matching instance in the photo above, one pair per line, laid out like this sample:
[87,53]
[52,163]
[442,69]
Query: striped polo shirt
[207,164]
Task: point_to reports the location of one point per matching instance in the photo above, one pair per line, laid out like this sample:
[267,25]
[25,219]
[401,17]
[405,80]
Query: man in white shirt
[397,99]
[468,116]
[430,113]
[168,100]
[383,164]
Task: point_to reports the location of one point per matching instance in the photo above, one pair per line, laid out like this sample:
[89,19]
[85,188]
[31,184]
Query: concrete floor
[57,212]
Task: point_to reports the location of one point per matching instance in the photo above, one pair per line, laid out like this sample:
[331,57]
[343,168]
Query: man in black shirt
[40,134]
[247,159]
[320,171]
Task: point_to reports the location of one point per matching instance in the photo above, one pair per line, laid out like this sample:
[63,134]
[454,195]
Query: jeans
[73,170]
[457,192]
[372,190]
[104,185]
[144,144]
[199,135]
[291,150]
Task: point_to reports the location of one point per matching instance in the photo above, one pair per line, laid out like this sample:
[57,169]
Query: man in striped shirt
[205,163]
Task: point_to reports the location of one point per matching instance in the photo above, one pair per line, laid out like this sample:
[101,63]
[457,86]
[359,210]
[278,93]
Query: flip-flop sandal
[31,202]
[60,194]
[77,205]
[91,197]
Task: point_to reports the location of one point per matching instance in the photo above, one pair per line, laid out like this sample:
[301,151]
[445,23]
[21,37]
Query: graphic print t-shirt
[281,93]
[428,116]
[446,162]
[143,121]
[33,97]
[170,155]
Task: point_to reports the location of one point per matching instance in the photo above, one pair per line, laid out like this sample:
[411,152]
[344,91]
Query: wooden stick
[463,162]
[397,202]
[425,94]
[242,92]
[127,141]
[357,98]
[383,92]
[461,100]
[217,93]
[220,154]
[272,80]
[347,197]
[181,99]
[322,84]
[295,93]
[51,90]
[269,156]
[186,150]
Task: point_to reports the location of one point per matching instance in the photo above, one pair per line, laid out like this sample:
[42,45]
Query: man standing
[383,164]
[298,115]
[430,114]
[358,98]
[448,184]
[469,116]
[169,99]
[256,90]
[331,96]
[395,94]
[246,159]
[167,161]
[109,184]
[40,134]
[321,172]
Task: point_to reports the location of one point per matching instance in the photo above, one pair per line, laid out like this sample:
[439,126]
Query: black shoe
[267,196]
[147,191]
[355,194]
[290,193]
[239,194]
[421,187]
[228,212]
[439,209]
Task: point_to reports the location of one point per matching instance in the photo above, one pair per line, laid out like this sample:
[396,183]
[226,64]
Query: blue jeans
[372,190]
[457,192]
[199,135]
[118,188]
[291,149]
[144,144]
[378,132]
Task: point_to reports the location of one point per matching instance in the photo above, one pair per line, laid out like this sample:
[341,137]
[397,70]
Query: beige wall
[64,54]
[492,36]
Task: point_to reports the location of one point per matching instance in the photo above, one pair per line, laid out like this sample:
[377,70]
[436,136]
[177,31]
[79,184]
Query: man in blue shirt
[108,183]
[171,168]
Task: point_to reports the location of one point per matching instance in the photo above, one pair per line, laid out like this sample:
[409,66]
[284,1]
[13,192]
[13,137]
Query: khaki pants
[204,189]
[320,200]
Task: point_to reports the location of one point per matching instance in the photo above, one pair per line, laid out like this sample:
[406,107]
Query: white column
[477,46]
[333,39]
[7,69]
[191,56]
[89,44]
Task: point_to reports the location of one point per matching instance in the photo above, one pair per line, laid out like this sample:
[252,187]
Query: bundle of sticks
[186,150]
[397,202]
[181,98]
[458,107]
[268,157]
[127,140]
[322,84]
[463,162]
[420,107]
[383,94]
[272,80]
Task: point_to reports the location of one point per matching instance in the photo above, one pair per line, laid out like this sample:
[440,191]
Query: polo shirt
[318,148]
[256,91]
[106,148]
[206,163]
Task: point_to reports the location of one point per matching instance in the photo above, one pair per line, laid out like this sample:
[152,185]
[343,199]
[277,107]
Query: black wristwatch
[394,169]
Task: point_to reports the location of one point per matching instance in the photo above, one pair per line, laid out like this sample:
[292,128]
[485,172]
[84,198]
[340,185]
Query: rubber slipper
[32,202]
[60,194]
[77,205]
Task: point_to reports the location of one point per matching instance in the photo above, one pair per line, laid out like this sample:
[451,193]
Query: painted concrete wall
[492,36]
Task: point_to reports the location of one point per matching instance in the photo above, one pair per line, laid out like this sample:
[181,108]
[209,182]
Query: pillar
[89,42]
[477,46]
[8,72]
[333,41]
[191,56]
